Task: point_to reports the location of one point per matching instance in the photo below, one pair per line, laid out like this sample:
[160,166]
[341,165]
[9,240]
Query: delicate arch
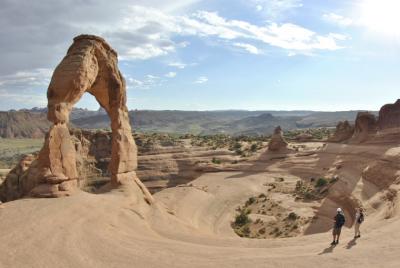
[90,65]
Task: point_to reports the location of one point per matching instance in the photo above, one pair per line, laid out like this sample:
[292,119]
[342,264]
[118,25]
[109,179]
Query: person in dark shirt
[337,226]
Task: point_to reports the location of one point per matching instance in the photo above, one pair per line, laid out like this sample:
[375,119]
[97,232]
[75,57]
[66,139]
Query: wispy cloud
[249,48]
[337,19]
[178,65]
[170,74]
[24,98]
[201,80]
[34,78]
[148,81]
[160,29]
[275,9]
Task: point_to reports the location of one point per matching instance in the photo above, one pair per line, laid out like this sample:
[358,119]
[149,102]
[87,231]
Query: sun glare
[382,16]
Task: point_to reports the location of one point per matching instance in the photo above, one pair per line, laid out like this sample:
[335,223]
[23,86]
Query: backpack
[360,218]
[340,220]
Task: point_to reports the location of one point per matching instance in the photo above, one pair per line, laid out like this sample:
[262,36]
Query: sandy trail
[190,226]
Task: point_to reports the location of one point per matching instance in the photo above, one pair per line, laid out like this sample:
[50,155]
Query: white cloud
[134,82]
[170,74]
[148,81]
[337,19]
[178,65]
[286,36]
[275,9]
[143,32]
[201,80]
[35,78]
[147,51]
[249,48]
[24,98]
[161,28]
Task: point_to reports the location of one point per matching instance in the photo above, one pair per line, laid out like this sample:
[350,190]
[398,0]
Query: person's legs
[334,235]
[356,230]
[338,235]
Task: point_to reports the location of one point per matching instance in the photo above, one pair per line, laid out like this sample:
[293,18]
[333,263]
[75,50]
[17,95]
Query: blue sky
[208,55]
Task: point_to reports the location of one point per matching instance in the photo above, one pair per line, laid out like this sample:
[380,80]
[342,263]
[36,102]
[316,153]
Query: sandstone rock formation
[277,141]
[304,137]
[344,131]
[384,172]
[89,66]
[366,125]
[389,116]
[16,179]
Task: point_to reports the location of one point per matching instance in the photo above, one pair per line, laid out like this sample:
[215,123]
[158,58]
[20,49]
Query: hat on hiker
[339,210]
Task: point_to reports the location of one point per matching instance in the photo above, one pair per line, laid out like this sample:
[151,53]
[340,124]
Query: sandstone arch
[89,66]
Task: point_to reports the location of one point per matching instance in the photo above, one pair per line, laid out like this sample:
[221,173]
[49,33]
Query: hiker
[337,226]
[359,218]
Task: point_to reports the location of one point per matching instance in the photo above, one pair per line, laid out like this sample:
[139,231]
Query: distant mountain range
[29,123]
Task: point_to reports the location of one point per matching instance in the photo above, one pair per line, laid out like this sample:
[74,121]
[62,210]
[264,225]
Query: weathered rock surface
[277,141]
[344,131]
[304,137]
[15,181]
[389,116]
[90,65]
[384,172]
[366,126]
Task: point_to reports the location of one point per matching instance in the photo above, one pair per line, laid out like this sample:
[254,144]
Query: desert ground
[190,225]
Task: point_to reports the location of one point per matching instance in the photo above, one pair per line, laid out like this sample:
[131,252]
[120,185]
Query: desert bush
[250,201]
[321,182]
[216,161]
[242,219]
[246,231]
[292,216]
[254,147]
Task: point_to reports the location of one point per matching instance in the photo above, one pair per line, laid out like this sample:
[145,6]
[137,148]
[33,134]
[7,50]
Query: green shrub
[216,161]
[242,219]
[253,147]
[321,182]
[250,201]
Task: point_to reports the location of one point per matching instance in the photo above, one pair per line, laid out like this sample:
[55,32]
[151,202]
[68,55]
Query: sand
[189,226]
